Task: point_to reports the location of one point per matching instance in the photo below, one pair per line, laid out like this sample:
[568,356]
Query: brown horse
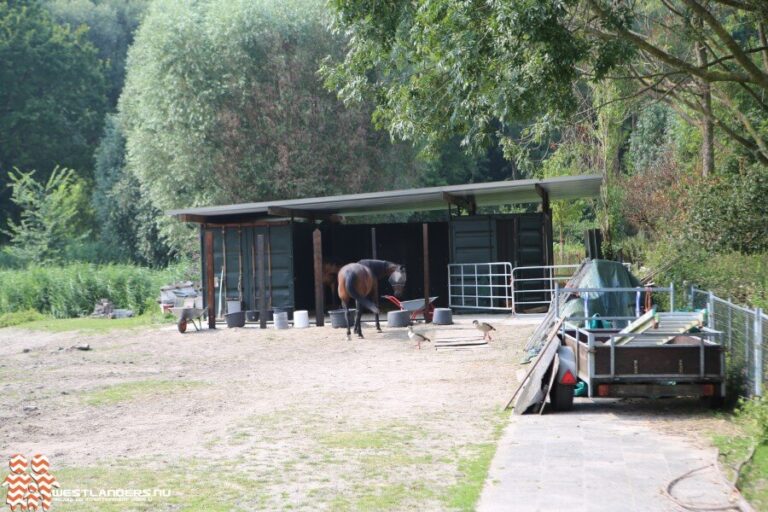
[360,281]
[330,275]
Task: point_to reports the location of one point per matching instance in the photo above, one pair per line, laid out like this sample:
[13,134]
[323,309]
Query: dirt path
[247,419]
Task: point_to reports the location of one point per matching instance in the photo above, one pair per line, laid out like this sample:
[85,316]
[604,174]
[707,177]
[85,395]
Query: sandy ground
[295,419]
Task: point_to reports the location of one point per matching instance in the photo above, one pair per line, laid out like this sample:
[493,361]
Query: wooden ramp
[459,338]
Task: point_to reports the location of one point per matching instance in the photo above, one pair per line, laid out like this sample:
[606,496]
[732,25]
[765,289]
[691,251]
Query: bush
[742,277]
[19,317]
[728,212]
[72,290]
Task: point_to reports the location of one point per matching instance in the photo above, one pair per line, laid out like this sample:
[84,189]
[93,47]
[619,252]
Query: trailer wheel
[561,397]
[182,325]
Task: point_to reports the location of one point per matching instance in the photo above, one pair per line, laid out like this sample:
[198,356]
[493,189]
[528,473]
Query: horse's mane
[379,268]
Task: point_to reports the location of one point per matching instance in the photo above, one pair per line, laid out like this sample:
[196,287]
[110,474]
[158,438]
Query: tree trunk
[707,126]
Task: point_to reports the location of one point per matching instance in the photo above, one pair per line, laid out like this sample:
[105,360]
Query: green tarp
[603,274]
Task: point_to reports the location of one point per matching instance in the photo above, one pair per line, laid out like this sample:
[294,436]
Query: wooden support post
[317,248]
[373,243]
[425,239]
[262,281]
[210,279]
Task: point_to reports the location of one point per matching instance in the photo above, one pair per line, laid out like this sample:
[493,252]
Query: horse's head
[397,280]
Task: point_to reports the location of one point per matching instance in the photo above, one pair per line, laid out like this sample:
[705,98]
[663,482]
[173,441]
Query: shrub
[19,317]
[72,290]
[728,212]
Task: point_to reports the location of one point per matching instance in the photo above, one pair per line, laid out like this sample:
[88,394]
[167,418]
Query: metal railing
[480,286]
[745,337]
[534,286]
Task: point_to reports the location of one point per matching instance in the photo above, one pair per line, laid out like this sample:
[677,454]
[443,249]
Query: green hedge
[72,290]
[742,277]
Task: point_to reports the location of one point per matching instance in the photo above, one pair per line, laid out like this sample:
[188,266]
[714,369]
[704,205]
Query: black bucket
[235,319]
[337,318]
[252,315]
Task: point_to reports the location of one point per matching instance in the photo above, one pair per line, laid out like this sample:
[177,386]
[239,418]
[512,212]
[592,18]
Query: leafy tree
[51,95]
[111,24]
[442,68]
[51,218]
[730,212]
[126,218]
[223,104]
[650,138]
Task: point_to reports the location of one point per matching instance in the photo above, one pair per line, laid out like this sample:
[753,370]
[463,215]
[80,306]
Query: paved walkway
[595,458]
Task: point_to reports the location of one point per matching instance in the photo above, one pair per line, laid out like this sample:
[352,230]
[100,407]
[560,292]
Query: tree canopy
[438,68]
[52,95]
[110,26]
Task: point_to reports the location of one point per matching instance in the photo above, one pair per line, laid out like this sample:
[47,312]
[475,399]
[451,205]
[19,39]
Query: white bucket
[281,320]
[234,306]
[301,319]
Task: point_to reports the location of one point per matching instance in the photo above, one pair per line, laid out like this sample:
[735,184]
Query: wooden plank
[425,239]
[253,273]
[317,249]
[373,244]
[261,263]
[210,279]
[526,392]
[544,198]
[279,211]
[188,217]
[467,203]
[460,343]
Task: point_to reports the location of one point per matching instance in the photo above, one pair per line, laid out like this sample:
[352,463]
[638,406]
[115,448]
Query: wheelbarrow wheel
[182,325]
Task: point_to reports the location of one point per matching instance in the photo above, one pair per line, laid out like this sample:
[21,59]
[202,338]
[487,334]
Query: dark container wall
[241,245]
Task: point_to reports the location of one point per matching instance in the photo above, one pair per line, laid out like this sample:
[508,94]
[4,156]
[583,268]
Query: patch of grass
[751,420]
[93,325]
[19,317]
[464,494]
[755,478]
[753,481]
[383,497]
[192,485]
[138,389]
[366,440]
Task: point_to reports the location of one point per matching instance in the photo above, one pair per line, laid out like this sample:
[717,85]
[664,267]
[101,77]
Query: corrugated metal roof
[415,199]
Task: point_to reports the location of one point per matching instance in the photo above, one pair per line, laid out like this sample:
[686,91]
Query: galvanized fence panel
[481,286]
[745,338]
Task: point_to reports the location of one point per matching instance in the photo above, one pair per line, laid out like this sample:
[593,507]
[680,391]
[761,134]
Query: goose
[485,328]
[417,337]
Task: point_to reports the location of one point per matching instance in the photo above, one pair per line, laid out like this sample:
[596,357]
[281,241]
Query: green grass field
[36,322]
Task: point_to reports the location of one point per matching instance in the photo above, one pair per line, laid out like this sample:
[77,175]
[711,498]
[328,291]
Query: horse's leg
[376,301]
[346,317]
[358,318]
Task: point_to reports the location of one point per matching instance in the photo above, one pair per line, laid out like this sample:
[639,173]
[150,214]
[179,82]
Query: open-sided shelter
[299,236]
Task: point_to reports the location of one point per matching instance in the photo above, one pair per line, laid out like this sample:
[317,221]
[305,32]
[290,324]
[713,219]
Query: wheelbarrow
[415,306]
[185,315]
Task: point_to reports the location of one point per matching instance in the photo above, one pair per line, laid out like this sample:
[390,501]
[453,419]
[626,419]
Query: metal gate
[480,286]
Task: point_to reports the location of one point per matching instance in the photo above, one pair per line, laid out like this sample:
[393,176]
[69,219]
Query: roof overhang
[409,200]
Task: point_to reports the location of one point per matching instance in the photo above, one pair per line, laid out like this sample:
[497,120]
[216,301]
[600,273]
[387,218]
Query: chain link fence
[745,337]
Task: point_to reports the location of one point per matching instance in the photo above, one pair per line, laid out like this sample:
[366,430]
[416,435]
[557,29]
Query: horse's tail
[349,281]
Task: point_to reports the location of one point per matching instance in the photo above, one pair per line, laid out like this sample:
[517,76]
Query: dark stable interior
[398,243]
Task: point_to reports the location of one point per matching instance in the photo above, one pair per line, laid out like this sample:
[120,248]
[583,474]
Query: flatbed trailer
[651,365]
[669,359]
